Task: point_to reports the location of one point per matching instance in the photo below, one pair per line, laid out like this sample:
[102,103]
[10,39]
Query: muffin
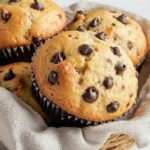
[83,80]
[24,25]
[116,27]
[17,79]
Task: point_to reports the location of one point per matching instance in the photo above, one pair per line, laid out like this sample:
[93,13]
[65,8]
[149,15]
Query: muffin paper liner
[58,116]
[140,65]
[18,54]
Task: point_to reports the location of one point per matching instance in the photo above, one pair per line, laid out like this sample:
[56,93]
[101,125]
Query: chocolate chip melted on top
[37,5]
[90,95]
[85,49]
[58,57]
[122,19]
[9,75]
[53,77]
[95,22]
[101,35]
[113,107]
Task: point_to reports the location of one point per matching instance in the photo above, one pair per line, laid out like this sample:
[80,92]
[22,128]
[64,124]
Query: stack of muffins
[83,76]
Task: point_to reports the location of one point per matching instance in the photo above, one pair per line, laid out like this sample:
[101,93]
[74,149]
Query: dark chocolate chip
[81,28]
[6,16]
[37,5]
[122,19]
[108,82]
[90,95]
[113,107]
[53,77]
[130,45]
[58,57]
[120,67]
[9,75]
[101,35]
[116,51]
[85,49]
[80,12]
[95,22]
[11,1]
[109,60]
[36,40]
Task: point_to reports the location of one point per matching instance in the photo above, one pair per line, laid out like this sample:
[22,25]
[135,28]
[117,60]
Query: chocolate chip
[116,51]
[58,57]
[95,22]
[11,1]
[113,107]
[85,49]
[101,35]
[109,60]
[37,5]
[6,16]
[53,77]
[90,95]
[81,28]
[108,82]
[122,19]
[9,75]
[80,12]
[36,40]
[130,45]
[120,67]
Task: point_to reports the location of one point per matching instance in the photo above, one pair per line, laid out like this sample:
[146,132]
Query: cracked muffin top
[119,28]
[86,76]
[25,21]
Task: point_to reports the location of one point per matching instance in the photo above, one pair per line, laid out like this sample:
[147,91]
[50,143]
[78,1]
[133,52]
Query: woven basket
[118,142]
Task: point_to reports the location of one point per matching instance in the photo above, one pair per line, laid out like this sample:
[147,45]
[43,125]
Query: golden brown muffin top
[25,21]
[119,28]
[90,78]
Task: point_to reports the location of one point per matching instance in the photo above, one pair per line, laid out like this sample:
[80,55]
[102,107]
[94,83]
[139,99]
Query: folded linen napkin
[23,129]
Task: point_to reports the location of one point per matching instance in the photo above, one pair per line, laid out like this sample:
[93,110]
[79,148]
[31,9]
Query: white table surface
[141,7]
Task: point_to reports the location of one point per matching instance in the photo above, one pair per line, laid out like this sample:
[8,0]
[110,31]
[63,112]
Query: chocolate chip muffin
[17,79]
[84,79]
[117,27]
[25,24]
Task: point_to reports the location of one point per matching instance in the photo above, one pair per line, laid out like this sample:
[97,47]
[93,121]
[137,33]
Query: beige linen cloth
[23,129]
